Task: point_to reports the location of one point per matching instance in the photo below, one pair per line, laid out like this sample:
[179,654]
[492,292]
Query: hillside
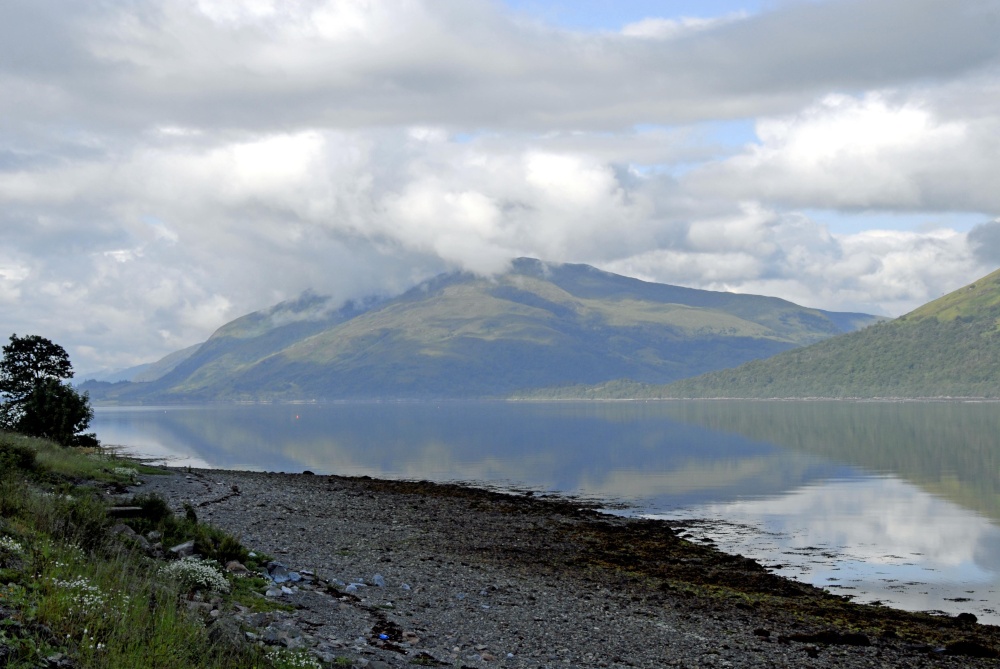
[947,348]
[460,335]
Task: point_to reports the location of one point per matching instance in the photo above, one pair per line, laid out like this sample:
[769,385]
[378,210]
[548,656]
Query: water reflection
[875,539]
[618,452]
[878,500]
[951,449]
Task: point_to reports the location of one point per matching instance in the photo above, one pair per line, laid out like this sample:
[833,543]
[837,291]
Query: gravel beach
[414,573]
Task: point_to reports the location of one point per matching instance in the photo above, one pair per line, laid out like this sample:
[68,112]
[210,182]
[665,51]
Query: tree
[36,401]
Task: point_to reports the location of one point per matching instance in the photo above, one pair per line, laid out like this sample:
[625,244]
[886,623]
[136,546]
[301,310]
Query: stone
[277,572]
[123,530]
[183,550]
[236,567]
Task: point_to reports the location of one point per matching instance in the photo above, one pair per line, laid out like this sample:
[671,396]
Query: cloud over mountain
[166,166]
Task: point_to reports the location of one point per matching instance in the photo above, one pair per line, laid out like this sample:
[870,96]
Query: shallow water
[881,501]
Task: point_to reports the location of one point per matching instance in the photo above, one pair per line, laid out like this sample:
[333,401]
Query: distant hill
[147,372]
[460,335]
[947,348]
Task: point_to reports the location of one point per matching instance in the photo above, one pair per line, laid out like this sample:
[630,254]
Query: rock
[128,534]
[121,529]
[236,567]
[967,618]
[277,572]
[832,638]
[378,580]
[183,550]
[201,607]
[54,661]
[970,649]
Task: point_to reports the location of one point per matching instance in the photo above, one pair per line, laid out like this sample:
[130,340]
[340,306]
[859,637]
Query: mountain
[147,372]
[460,335]
[947,348]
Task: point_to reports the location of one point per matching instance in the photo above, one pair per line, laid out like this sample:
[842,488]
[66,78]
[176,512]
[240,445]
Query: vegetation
[947,348]
[76,590]
[36,401]
[461,335]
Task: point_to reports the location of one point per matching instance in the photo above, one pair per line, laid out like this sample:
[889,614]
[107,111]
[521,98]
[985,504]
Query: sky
[167,166]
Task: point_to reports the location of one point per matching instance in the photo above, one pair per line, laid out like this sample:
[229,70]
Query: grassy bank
[78,589]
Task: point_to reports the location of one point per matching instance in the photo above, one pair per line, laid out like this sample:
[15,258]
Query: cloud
[879,151]
[765,252]
[985,241]
[167,166]
[465,63]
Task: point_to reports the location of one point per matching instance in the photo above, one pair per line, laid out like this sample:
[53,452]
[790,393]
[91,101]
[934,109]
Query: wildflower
[295,660]
[8,545]
[194,573]
[129,473]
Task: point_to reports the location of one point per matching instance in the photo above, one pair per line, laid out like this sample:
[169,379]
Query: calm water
[895,502]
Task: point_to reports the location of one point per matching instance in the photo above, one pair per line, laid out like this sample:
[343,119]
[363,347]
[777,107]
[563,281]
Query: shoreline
[519,580]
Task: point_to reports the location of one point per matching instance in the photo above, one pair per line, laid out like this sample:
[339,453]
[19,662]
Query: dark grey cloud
[465,63]
[985,242]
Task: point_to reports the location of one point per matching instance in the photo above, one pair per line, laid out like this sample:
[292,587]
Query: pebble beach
[398,574]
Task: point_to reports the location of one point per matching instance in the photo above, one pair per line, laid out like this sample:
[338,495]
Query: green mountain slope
[459,335]
[947,348]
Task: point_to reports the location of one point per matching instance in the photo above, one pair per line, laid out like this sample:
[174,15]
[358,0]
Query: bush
[15,455]
[196,574]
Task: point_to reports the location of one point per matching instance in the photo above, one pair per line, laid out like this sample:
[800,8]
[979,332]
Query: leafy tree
[36,400]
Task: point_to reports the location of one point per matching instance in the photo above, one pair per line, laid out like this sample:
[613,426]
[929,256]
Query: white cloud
[659,28]
[166,166]
[874,151]
[763,252]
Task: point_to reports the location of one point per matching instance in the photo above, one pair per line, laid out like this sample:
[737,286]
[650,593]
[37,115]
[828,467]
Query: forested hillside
[948,348]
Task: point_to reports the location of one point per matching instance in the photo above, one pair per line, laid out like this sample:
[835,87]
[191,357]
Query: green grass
[68,586]
[966,302]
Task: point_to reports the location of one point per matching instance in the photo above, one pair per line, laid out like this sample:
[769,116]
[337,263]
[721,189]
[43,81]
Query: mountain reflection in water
[888,501]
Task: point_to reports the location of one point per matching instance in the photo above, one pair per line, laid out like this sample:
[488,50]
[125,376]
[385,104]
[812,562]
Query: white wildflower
[130,473]
[292,659]
[8,545]
[194,573]
[85,597]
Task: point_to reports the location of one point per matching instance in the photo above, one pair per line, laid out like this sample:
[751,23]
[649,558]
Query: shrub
[196,574]
[16,455]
